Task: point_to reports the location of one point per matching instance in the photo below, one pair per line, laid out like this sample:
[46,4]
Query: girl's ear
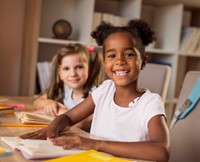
[144,61]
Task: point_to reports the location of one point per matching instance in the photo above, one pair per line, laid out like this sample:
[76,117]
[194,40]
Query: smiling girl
[130,120]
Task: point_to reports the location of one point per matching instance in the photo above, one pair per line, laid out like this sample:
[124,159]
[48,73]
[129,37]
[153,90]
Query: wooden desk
[16,131]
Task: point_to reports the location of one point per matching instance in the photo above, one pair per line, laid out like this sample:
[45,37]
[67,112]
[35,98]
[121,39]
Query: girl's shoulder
[92,89]
[154,95]
[106,86]
[149,94]
[150,97]
[107,83]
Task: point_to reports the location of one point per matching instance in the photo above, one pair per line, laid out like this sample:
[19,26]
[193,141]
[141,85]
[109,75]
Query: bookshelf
[166,17]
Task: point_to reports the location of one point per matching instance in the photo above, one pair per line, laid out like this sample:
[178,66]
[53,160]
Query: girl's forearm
[134,150]
[61,122]
[40,103]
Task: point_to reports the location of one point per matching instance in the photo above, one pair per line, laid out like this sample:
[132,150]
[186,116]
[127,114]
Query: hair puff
[147,35]
[100,33]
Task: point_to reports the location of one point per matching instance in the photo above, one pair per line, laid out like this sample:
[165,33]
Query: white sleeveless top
[113,122]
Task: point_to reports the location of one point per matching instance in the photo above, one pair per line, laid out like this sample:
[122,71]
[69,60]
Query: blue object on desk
[188,105]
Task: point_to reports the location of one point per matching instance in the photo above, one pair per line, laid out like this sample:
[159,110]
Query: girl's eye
[130,55]
[111,56]
[65,68]
[80,67]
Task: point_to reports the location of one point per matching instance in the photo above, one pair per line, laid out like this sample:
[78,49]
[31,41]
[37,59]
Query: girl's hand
[44,133]
[59,124]
[75,141]
[53,108]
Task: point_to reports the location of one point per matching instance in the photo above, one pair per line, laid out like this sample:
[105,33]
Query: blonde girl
[75,73]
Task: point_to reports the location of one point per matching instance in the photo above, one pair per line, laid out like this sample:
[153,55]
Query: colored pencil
[23,125]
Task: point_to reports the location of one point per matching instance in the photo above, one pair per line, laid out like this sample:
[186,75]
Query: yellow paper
[88,156]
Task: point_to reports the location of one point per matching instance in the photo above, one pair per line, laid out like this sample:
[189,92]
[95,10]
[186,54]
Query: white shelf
[160,51]
[77,12]
[166,25]
[189,54]
[165,17]
[56,41]
[188,3]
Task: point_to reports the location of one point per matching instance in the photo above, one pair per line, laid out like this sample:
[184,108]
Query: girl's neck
[129,93]
[76,94]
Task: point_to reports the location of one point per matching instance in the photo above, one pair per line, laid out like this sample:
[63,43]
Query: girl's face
[122,60]
[73,72]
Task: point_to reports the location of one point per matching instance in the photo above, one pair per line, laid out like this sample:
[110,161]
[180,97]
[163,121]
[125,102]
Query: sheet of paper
[37,149]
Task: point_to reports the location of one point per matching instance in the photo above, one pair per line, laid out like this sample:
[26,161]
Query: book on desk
[43,149]
[33,118]
[37,149]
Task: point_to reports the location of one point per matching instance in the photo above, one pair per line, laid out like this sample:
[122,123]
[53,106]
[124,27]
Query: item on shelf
[197,50]
[43,69]
[190,39]
[62,29]
[98,17]
[160,62]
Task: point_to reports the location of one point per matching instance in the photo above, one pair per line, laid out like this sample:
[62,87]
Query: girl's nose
[120,61]
[73,72]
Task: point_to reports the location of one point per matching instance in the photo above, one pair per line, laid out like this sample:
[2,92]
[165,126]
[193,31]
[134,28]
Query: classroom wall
[11,38]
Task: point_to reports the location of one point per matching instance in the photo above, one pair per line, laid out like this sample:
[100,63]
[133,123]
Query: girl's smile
[121,72]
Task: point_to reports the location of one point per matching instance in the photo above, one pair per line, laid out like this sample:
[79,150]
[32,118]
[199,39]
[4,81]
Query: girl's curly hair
[139,29]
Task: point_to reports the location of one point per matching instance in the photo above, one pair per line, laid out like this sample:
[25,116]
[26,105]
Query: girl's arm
[48,106]
[78,113]
[81,111]
[42,101]
[85,124]
[156,149]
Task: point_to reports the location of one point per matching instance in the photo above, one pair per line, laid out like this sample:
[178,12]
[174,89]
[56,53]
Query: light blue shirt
[68,101]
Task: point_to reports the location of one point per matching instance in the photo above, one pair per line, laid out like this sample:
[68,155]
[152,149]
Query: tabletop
[7,117]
